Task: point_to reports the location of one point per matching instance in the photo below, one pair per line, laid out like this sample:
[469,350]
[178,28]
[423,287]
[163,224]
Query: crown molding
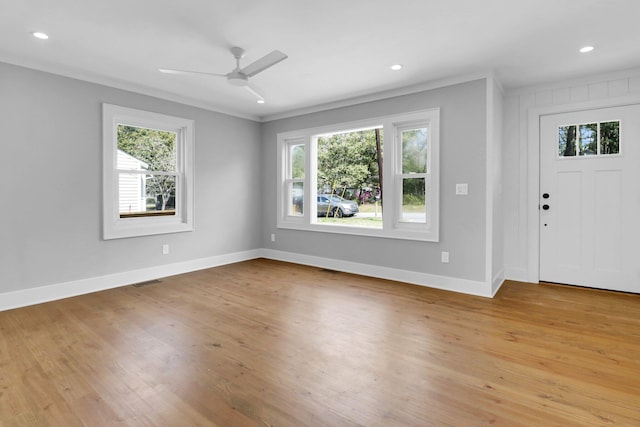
[122,85]
[377,96]
[574,82]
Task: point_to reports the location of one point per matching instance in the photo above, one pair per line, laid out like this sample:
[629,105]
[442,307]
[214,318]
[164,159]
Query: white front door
[590,198]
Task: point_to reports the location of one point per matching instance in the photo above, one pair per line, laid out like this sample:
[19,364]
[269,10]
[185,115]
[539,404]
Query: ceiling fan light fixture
[238,79]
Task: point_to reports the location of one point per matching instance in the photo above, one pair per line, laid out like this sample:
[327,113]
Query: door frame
[533,168]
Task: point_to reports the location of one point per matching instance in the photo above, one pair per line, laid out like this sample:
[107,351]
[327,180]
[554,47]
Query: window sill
[146,226]
[147,214]
[396,233]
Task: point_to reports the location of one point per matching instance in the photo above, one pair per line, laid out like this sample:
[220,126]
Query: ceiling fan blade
[171,71]
[255,93]
[263,63]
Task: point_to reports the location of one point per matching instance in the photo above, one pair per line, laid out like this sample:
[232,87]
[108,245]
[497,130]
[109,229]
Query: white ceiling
[338,49]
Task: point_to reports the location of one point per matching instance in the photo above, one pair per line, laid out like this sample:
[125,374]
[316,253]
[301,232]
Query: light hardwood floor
[265,343]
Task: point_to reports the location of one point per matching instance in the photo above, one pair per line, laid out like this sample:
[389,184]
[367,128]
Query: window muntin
[411,193]
[589,139]
[148,173]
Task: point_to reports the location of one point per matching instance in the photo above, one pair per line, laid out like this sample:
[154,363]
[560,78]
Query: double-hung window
[376,177]
[294,177]
[147,173]
[413,173]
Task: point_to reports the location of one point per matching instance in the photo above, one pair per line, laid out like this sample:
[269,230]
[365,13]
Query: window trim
[288,179]
[392,172]
[115,227]
[400,176]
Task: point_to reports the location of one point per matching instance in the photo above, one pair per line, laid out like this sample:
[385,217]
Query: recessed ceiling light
[260,101]
[396,67]
[586,49]
[40,35]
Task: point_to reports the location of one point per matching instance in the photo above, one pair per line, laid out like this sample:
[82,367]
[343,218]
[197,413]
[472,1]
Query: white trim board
[630,73]
[126,86]
[378,96]
[292,112]
[515,274]
[42,294]
[446,283]
[497,282]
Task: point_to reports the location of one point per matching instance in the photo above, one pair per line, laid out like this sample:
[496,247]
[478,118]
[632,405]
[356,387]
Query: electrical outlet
[273,237]
[165,249]
[444,257]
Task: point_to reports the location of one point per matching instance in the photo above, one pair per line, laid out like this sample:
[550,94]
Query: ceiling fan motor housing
[237,78]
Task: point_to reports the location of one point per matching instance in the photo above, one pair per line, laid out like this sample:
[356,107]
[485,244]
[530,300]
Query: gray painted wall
[50,226]
[51,183]
[463,131]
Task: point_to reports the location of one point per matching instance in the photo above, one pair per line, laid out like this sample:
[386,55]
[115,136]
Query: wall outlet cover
[462,189]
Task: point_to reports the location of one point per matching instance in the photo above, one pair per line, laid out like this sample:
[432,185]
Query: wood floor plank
[266,343]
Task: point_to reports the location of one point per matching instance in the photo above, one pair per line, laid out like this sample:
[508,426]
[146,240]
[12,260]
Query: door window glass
[589,139]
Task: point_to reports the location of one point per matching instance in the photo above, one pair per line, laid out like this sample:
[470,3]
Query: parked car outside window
[336,206]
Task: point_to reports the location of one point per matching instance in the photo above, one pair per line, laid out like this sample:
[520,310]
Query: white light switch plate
[462,189]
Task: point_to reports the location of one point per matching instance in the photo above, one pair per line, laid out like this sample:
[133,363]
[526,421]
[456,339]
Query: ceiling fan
[240,76]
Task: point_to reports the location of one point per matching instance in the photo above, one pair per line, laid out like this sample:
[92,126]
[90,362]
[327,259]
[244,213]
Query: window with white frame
[376,177]
[295,177]
[147,173]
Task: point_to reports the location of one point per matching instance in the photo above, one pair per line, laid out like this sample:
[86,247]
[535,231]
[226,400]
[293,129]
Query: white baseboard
[497,282]
[516,274]
[58,291]
[423,279]
[31,296]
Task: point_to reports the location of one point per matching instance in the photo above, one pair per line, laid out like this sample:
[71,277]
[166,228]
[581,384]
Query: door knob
[545,207]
